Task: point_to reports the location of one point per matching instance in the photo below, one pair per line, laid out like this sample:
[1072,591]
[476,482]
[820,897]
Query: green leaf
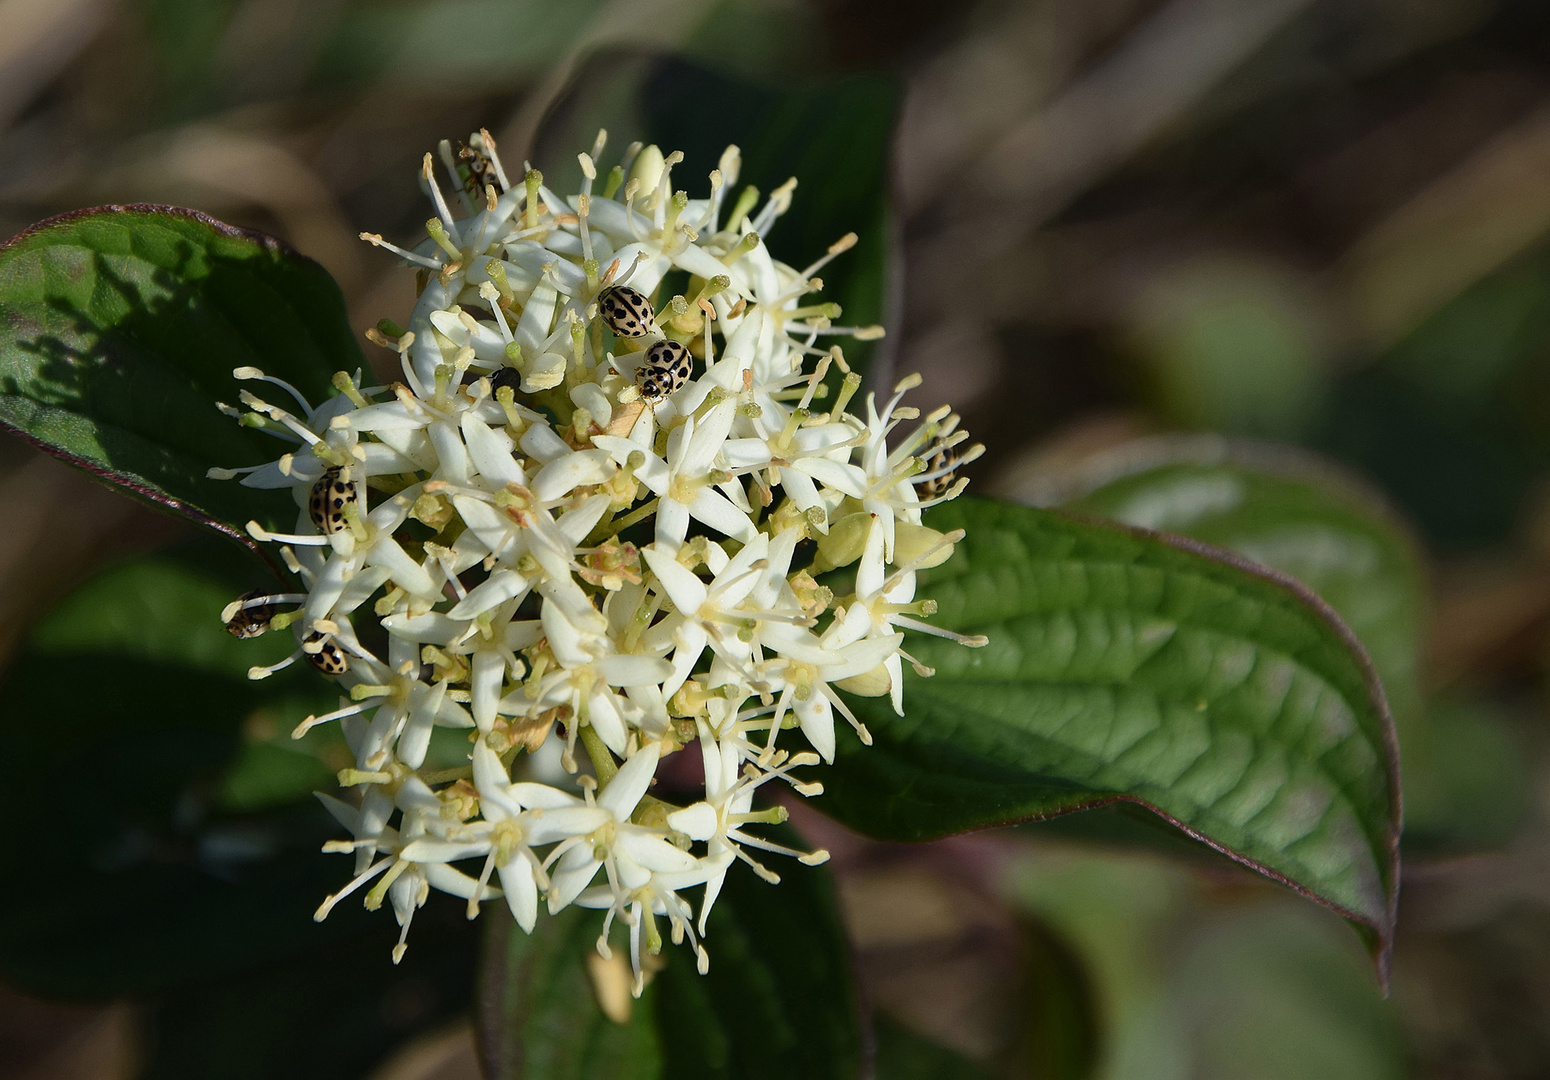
[124,715]
[904,1055]
[1060,1029]
[120,329]
[161,609]
[1198,981]
[1126,666]
[330,1013]
[166,840]
[538,1014]
[1469,776]
[1465,776]
[833,136]
[777,1001]
[1284,509]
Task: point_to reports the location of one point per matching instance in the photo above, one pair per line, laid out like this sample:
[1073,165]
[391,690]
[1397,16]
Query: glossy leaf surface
[1124,666]
[1284,509]
[120,330]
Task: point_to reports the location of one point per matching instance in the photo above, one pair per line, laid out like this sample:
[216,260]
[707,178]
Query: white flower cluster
[550,532]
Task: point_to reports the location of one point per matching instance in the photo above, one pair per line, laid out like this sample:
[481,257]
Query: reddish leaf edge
[1383,931]
[263,240]
[133,485]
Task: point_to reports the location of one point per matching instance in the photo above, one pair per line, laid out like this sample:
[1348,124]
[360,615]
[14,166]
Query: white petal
[708,436]
[532,329]
[444,851]
[541,441]
[521,891]
[563,823]
[542,797]
[386,553]
[672,524]
[841,477]
[432,628]
[576,523]
[603,714]
[714,510]
[746,453]
[697,822]
[388,416]
[494,591]
[571,874]
[493,528]
[797,484]
[630,670]
[654,473]
[684,588]
[443,877]
[870,573]
[563,475]
[487,672]
[493,784]
[651,851]
[817,720]
[491,452]
[451,454]
[862,656]
[623,793]
[689,639]
[451,327]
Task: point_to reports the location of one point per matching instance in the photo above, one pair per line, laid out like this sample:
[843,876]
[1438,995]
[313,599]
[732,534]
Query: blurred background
[1147,248]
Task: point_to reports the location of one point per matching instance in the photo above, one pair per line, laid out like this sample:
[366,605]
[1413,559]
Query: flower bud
[845,542]
[911,542]
[647,168]
[874,683]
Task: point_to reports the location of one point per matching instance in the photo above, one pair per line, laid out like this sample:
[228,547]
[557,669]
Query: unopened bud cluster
[598,509]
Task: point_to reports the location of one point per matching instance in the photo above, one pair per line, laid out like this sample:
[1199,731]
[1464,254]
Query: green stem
[602,757]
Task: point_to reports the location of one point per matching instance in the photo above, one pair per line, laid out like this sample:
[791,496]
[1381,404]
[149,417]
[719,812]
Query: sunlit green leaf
[1280,508]
[1123,666]
[120,329]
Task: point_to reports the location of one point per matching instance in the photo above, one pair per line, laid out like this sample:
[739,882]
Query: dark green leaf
[833,137]
[161,609]
[321,1014]
[124,715]
[1124,666]
[120,329]
[1469,775]
[1465,776]
[1060,1039]
[904,1055]
[538,1015]
[777,1001]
